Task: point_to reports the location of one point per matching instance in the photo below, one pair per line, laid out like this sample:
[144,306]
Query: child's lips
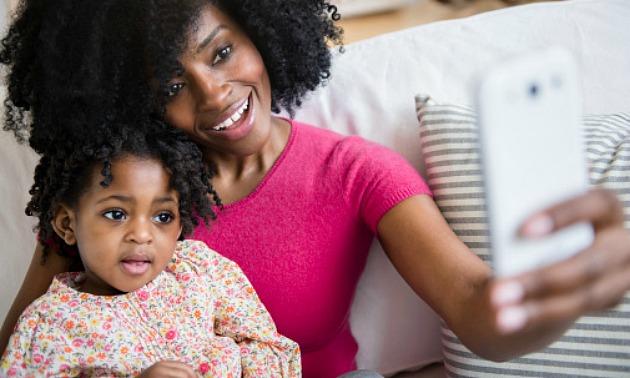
[136,264]
[135,267]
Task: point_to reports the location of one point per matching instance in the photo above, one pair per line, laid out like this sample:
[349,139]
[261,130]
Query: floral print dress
[201,310]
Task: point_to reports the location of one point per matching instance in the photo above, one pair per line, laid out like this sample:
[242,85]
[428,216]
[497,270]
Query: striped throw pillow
[597,345]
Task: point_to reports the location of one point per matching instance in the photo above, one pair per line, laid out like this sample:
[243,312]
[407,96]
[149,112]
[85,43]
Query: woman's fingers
[593,280]
[600,207]
[561,309]
[610,252]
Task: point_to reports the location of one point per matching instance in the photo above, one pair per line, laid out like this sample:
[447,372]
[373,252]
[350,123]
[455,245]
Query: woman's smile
[231,118]
[235,123]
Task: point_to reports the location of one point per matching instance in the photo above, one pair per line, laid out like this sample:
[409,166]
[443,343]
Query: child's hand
[593,280]
[169,369]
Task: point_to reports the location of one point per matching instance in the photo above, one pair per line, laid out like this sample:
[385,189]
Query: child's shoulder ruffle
[194,256]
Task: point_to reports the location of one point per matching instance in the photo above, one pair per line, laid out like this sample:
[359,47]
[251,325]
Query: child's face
[126,232]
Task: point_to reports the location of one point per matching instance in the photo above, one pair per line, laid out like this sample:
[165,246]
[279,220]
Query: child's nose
[140,231]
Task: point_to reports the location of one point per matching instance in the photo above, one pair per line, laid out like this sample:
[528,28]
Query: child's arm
[30,351]
[239,314]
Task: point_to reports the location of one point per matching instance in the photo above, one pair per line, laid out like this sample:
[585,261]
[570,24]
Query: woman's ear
[63,223]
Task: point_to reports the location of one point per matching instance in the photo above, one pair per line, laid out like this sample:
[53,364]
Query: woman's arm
[500,320]
[37,280]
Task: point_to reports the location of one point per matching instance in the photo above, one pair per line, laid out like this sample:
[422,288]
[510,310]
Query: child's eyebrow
[165,199]
[117,197]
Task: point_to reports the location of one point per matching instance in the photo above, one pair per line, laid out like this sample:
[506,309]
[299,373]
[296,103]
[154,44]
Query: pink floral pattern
[201,310]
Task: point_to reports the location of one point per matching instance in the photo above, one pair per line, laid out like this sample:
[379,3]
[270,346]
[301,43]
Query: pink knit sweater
[302,236]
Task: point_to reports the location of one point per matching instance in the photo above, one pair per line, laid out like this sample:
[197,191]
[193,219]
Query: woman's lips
[237,125]
[234,118]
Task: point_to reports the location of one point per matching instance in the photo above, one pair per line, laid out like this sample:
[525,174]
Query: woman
[301,205]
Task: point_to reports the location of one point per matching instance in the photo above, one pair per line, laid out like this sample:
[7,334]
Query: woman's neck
[237,176]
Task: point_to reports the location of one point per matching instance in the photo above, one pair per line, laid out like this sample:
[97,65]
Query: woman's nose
[212,92]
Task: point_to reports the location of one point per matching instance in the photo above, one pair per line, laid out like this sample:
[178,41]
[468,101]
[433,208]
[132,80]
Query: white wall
[3,13]
[10,4]
[16,235]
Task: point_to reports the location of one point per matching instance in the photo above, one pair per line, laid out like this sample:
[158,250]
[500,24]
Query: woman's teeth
[233,118]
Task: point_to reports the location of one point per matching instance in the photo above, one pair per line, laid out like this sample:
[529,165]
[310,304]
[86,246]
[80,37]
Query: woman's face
[222,98]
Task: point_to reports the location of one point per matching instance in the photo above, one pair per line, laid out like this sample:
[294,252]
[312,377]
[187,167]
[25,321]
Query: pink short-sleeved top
[303,235]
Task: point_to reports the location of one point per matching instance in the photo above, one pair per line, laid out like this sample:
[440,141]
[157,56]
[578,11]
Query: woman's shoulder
[310,136]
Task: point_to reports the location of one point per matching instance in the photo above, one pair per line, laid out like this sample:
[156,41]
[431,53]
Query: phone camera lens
[533,90]
[556,81]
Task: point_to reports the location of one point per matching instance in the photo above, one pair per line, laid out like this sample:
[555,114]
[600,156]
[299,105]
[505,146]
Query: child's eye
[222,54]
[116,215]
[163,217]
[173,89]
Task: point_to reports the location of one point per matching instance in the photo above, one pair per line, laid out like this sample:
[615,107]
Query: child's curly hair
[82,62]
[65,171]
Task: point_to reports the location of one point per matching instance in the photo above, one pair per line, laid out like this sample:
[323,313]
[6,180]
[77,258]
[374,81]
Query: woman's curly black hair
[65,172]
[93,62]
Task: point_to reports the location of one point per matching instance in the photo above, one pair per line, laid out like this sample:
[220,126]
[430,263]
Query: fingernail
[507,293]
[539,225]
[511,319]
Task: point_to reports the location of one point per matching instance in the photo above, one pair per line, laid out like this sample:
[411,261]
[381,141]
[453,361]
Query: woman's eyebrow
[209,38]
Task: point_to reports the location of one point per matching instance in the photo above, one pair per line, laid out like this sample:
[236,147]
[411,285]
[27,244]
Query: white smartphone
[532,154]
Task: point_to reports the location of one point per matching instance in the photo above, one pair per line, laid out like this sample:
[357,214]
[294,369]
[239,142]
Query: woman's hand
[593,280]
[169,369]
[499,319]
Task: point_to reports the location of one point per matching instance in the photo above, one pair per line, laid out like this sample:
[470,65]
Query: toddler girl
[144,302]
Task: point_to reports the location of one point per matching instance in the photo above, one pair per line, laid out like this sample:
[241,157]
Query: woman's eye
[164,217]
[116,215]
[173,89]
[222,54]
